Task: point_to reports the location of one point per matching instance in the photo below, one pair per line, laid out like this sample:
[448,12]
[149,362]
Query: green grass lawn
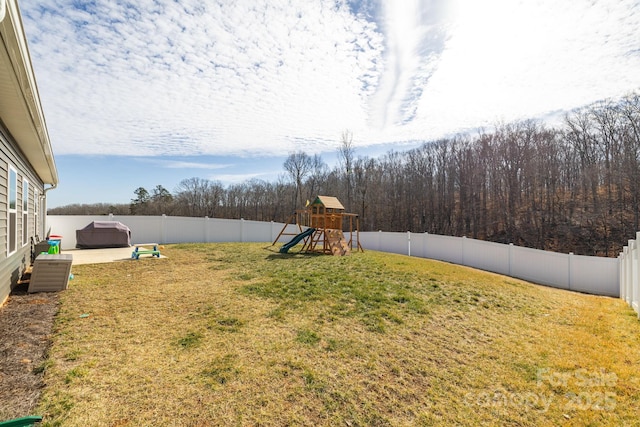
[238,334]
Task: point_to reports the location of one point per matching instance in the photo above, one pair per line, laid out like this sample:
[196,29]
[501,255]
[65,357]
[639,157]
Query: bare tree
[193,197]
[346,153]
[317,175]
[363,171]
[161,201]
[299,164]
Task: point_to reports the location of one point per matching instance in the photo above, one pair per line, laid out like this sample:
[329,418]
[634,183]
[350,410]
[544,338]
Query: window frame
[36,206]
[25,212]
[12,192]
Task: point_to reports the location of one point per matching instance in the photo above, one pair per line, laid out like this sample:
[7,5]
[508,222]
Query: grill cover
[103,234]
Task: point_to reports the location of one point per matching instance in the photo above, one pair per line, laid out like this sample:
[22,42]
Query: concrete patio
[97,256]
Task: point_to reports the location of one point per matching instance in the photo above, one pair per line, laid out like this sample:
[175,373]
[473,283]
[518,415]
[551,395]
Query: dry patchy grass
[236,334]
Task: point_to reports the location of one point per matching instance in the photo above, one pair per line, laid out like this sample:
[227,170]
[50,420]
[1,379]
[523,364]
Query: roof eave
[20,107]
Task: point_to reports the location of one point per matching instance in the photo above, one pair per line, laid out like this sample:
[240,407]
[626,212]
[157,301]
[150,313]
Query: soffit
[20,108]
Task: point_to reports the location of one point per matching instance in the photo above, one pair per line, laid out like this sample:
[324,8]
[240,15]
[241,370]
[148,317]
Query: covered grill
[103,234]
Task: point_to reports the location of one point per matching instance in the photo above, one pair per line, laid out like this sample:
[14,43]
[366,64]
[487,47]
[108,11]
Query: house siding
[13,266]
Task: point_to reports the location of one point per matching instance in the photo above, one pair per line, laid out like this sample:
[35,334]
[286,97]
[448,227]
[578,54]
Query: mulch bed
[26,322]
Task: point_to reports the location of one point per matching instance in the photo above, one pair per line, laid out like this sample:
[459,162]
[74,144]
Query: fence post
[623,273]
[627,273]
[570,265]
[464,244]
[408,243]
[380,240]
[242,239]
[627,276]
[425,245]
[273,235]
[510,257]
[635,271]
[620,281]
[163,229]
[630,267]
[623,277]
[206,229]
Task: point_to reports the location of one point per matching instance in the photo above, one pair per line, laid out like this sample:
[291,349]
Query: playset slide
[308,232]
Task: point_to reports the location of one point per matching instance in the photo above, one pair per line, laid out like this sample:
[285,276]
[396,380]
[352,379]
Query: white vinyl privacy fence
[594,275]
[170,229]
[629,271]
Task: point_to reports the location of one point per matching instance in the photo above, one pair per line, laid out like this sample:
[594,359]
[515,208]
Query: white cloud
[256,77]
[230,179]
[517,59]
[177,164]
[200,78]
[416,32]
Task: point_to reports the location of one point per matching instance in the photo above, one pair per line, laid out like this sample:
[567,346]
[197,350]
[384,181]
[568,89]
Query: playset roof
[328,202]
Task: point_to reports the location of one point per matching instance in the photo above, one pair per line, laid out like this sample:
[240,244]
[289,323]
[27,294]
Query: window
[36,206]
[25,212]
[12,203]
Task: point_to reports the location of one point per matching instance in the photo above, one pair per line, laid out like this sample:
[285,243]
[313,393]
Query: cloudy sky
[145,93]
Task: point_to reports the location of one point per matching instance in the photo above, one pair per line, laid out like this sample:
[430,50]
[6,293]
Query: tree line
[574,187]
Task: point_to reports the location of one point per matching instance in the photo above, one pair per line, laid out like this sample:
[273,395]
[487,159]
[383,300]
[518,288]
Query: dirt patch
[26,322]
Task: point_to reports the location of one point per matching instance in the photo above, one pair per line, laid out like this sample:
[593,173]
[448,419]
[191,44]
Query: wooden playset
[320,228]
